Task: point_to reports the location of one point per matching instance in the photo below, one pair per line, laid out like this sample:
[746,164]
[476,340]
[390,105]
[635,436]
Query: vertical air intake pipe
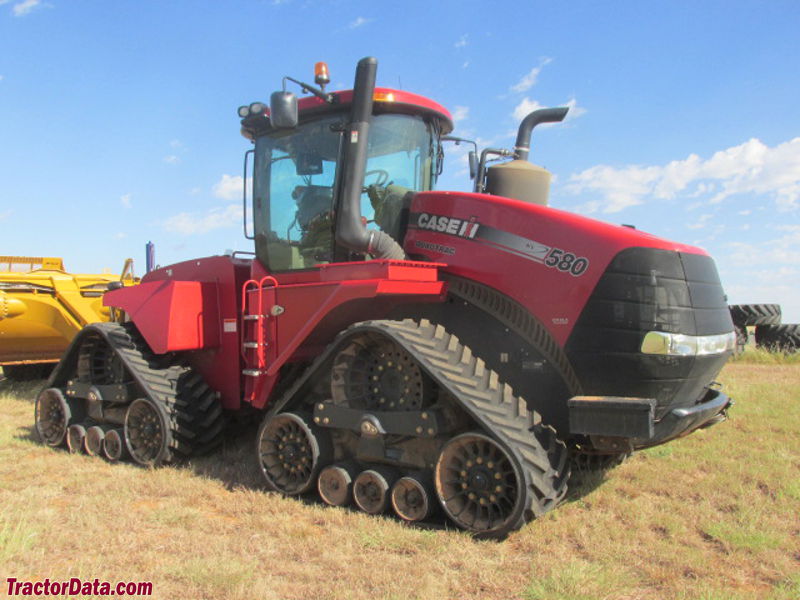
[350,231]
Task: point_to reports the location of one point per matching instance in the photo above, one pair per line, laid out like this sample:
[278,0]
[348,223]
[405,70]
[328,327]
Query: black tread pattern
[195,416]
[490,402]
[755,314]
[781,338]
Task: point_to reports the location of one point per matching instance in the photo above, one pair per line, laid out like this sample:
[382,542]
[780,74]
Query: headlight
[678,344]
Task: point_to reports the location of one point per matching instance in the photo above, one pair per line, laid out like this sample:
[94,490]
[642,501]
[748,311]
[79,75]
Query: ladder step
[251,345]
[253,317]
[252,372]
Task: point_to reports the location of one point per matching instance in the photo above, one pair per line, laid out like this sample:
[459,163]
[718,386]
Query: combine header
[403,347]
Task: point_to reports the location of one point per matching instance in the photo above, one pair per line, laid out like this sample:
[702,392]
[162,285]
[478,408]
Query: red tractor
[401,346]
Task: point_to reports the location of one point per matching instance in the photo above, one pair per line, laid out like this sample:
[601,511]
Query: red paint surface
[184,307]
[382,97]
[554,297]
[171,317]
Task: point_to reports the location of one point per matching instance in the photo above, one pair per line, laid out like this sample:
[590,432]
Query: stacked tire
[770,333]
[778,338]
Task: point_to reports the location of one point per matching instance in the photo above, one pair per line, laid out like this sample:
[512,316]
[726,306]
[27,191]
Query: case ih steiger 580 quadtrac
[403,347]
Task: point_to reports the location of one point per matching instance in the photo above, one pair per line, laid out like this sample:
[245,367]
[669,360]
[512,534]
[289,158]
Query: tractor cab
[318,171]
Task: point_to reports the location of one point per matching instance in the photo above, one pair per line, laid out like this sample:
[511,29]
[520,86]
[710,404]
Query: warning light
[321,74]
[383,97]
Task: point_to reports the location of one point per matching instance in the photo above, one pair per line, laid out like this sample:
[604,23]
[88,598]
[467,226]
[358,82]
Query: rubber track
[489,401]
[195,415]
[756,314]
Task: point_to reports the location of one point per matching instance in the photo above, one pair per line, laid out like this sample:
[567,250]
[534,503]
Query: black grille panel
[643,290]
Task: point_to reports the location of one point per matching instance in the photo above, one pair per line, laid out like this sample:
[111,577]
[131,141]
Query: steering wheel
[382,179]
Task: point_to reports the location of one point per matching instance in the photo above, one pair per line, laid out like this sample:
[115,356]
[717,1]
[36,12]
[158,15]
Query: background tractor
[403,347]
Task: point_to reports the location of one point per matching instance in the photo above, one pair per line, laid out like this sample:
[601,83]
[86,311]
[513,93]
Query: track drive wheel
[291,452]
[147,435]
[53,415]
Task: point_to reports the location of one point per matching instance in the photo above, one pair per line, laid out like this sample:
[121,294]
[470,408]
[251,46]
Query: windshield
[295,180]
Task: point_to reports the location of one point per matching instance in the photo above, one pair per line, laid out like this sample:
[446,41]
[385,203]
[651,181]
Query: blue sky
[118,119]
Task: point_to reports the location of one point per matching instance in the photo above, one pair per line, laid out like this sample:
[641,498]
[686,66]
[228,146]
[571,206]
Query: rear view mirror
[283,110]
[308,163]
[473,164]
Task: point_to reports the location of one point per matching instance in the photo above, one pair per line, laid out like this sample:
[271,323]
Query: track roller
[291,452]
[336,484]
[411,498]
[371,489]
[93,442]
[54,414]
[114,448]
[75,435]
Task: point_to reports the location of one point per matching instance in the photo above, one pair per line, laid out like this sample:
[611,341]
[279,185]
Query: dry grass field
[713,516]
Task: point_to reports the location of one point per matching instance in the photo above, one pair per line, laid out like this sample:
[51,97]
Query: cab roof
[385,100]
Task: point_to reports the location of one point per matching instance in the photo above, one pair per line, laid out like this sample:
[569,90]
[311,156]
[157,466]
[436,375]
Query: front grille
[643,290]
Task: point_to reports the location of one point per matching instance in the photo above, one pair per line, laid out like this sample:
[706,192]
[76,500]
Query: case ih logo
[449,225]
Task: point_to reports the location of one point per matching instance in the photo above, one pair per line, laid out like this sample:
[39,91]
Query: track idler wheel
[335,484]
[146,433]
[114,448]
[479,485]
[292,451]
[76,434]
[54,414]
[371,489]
[411,498]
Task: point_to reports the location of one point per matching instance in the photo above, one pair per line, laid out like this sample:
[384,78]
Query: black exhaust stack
[350,232]
[544,115]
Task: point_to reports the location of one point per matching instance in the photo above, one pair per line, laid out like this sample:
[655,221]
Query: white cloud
[2,77]
[465,65]
[25,7]
[460,113]
[120,235]
[749,168]
[359,22]
[575,111]
[529,80]
[229,187]
[462,41]
[177,144]
[5,215]
[701,222]
[125,200]
[172,159]
[525,107]
[193,224]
